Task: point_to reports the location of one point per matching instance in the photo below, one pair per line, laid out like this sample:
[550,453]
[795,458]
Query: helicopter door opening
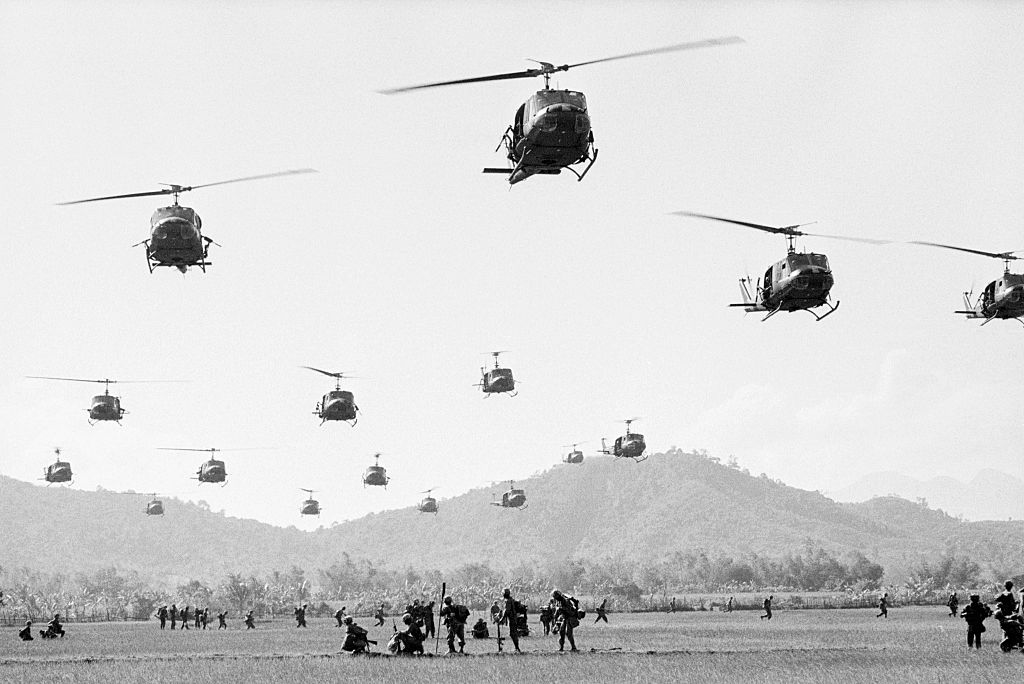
[518,126]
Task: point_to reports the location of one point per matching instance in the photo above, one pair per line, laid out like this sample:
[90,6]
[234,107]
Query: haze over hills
[601,509]
[990,494]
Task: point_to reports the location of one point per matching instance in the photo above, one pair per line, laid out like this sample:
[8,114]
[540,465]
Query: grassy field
[913,645]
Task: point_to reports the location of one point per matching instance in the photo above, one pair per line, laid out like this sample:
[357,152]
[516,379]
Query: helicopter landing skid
[579,176]
[831,310]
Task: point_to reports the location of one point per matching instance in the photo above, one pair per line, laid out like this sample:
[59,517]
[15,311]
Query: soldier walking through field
[174,615]
[428,621]
[975,614]
[953,603]
[1006,601]
[454,618]
[379,615]
[547,616]
[767,608]
[162,616]
[566,617]
[249,618]
[602,614]
[510,613]
[883,606]
[222,620]
[186,615]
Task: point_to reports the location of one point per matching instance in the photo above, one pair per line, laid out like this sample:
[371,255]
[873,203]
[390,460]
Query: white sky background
[402,263]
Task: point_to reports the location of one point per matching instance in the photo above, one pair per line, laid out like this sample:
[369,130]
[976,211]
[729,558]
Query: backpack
[461,613]
[518,607]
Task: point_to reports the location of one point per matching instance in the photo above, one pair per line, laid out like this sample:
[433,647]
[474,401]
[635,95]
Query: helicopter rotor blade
[782,230]
[177,189]
[995,255]
[528,73]
[165,191]
[710,42]
[276,174]
[870,241]
[338,374]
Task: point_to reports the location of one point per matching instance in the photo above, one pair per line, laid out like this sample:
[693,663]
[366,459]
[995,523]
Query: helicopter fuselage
[176,239]
[105,407]
[375,476]
[310,507]
[800,281]
[337,405]
[513,498]
[551,131]
[155,507]
[213,471]
[1003,298]
[630,445]
[573,457]
[428,505]
[58,472]
[497,380]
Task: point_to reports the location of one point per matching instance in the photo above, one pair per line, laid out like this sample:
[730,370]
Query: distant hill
[974,500]
[603,508]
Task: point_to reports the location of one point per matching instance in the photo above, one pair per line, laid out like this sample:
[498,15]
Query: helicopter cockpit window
[576,99]
[1011,279]
[819,260]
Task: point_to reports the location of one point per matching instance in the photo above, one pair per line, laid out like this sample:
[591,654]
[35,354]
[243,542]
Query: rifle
[437,634]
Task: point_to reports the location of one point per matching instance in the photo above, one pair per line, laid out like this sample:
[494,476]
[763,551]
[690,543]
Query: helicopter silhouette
[630,445]
[575,456]
[376,475]
[799,282]
[212,471]
[1002,298]
[310,506]
[58,472]
[551,130]
[104,407]
[513,498]
[338,404]
[155,507]
[428,504]
[497,380]
[176,232]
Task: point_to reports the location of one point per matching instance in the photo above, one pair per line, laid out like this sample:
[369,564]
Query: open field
[917,644]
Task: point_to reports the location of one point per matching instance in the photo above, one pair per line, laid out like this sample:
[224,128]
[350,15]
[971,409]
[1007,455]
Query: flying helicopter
[310,506]
[428,504]
[155,507]
[799,282]
[1003,298]
[630,445]
[551,130]
[58,472]
[212,471]
[513,498]
[575,456]
[376,475]
[497,380]
[176,232]
[104,407]
[337,404]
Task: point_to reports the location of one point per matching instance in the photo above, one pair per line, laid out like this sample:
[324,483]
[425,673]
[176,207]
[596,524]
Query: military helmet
[407,619]
[347,620]
[448,600]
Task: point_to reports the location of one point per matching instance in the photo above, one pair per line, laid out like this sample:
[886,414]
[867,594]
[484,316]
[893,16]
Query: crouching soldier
[26,632]
[480,630]
[411,638]
[355,637]
[54,628]
[1013,630]
[975,613]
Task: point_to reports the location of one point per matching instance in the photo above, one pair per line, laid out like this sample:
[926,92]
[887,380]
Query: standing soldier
[249,620]
[222,620]
[428,620]
[953,603]
[198,618]
[186,615]
[162,615]
[566,617]
[602,614]
[768,608]
[975,614]
[883,606]
[379,615]
[206,616]
[728,606]
[174,615]
[547,615]
[510,613]
[672,605]
[495,611]
[1006,601]
[454,618]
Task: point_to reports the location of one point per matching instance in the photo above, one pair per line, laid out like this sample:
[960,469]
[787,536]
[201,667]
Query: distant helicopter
[338,404]
[630,445]
[376,475]
[1003,298]
[155,507]
[551,130]
[497,380]
[310,506]
[104,407]
[212,471]
[513,498]
[175,233]
[799,282]
[59,472]
[428,504]
[575,456]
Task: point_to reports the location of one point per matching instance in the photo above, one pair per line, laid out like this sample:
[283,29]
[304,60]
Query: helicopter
[376,475]
[428,504]
[630,445]
[575,456]
[212,471]
[58,472]
[155,507]
[1003,298]
[338,404]
[310,506]
[513,498]
[551,130]
[799,282]
[104,407]
[175,232]
[497,380]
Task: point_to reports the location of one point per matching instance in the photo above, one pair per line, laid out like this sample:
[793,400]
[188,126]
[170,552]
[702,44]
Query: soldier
[379,615]
[26,632]
[602,614]
[567,617]
[728,606]
[428,620]
[953,603]
[510,614]
[340,616]
[975,614]
[53,628]
[206,616]
[411,637]
[222,620]
[198,618]
[162,616]
[547,616]
[672,605]
[355,637]
[300,615]
[249,618]
[480,630]
[454,617]
[174,615]
[883,606]
[495,611]
[1006,601]
[186,616]
[768,608]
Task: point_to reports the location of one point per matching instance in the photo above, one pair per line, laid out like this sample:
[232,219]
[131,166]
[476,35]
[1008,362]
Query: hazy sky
[402,263]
